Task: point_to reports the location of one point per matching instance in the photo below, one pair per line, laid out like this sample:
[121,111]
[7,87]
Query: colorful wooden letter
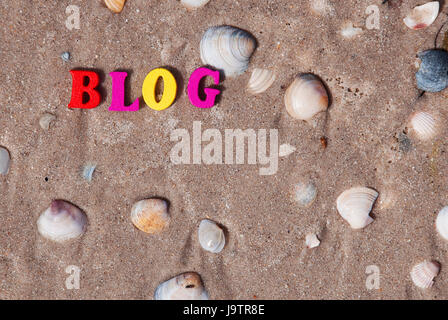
[193,88]
[78,89]
[117,103]
[169,89]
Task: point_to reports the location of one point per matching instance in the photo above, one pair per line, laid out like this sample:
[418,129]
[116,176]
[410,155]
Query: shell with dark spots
[433,73]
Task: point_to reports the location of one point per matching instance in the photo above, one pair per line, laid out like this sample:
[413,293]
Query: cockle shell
[150,215]
[423,273]
[211,236]
[422,16]
[312,241]
[194,4]
[62,221]
[305,193]
[115,5]
[355,204]
[5,159]
[260,81]
[186,286]
[424,125]
[306,97]
[227,48]
[432,75]
[442,223]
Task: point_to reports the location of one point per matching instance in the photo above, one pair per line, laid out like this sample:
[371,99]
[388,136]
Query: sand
[372,83]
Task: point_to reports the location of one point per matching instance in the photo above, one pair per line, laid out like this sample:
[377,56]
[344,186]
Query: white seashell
[306,97]
[186,286]
[355,204]
[194,4]
[422,16]
[423,273]
[305,193]
[5,160]
[424,125]
[260,81]
[150,215]
[87,171]
[442,223]
[349,31]
[62,221]
[228,49]
[46,120]
[211,236]
[312,241]
[285,150]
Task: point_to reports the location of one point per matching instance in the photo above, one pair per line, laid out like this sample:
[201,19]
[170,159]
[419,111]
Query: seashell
[432,75]
[115,5]
[355,204]
[306,97]
[423,273]
[228,49]
[312,241]
[194,4]
[422,16]
[349,31]
[285,150]
[260,81]
[211,236]
[62,221]
[424,125]
[186,286]
[442,223]
[5,160]
[305,193]
[87,171]
[150,215]
[46,120]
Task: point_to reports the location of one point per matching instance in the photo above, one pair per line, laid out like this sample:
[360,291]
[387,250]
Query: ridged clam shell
[194,4]
[305,97]
[115,5]
[150,215]
[423,274]
[260,81]
[186,286]
[355,204]
[305,193]
[211,236]
[312,241]
[62,221]
[5,160]
[424,125]
[227,48]
[432,75]
[442,223]
[422,16]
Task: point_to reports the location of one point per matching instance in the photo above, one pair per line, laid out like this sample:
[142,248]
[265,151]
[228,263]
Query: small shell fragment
[355,204]
[442,223]
[423,274]
[305,193]
[432,75]
[194,4]
[5,160]
[115,5]
[211,236]
[150,215]
[65,56]
[46,120]
[62,221]
[87,171]
[422,16]
[260,81]
[349,31]
[285,150]
[186,286]
[312,241]
[424,125]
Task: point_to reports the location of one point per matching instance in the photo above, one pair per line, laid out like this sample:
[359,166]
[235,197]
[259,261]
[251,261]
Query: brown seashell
[150,215]
[115,5]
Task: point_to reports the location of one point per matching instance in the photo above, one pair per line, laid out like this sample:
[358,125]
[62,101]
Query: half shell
[194,4]
[150,215]
[62,221]
[115,5]
[423,273]
[5,159]
[211,236]
[186,286]
[227,48]
[424,125]
[422,16]
[432,75]
[442,223]
[306,97]
[305,193]
[260,81]
[355,204]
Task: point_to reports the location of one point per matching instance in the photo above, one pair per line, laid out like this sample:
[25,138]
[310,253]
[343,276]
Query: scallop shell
[150,215]
[227,48]
[306,97]
[260,81]
[424,125]
[186,286]
[312,241]
[46,120]
[62,221]
[115,5]
[423,273]
[305,193]
[432,75]
[422,16]
[211,236]
[194,4]
[442,223]
[355,204]
[5,160]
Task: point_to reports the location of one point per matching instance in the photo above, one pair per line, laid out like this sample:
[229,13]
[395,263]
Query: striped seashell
[424,125]
[115,5]
[150,215]
[423,274]
[355,204]
[260,81]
